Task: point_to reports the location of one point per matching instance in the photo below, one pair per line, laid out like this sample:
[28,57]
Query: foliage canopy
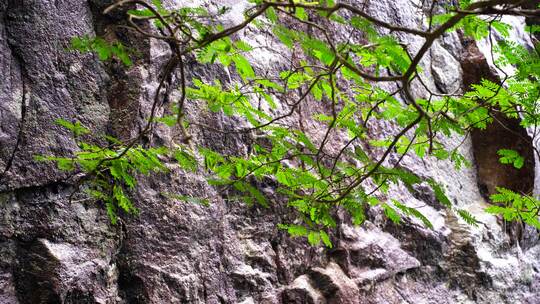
[340,57]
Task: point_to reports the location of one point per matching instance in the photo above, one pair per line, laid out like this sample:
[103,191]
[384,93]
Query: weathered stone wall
[53,251]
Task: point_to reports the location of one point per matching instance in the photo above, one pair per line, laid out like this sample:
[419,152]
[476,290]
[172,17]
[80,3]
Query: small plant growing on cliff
[329,161]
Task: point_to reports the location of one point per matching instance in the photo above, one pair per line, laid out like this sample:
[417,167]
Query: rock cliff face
[54,251]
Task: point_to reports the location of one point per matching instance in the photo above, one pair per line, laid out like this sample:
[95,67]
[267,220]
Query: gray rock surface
[53,251]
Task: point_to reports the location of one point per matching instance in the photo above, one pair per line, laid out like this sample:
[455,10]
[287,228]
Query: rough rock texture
[52,251]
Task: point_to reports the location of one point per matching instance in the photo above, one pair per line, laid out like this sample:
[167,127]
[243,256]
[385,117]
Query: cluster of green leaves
[515,207]
[102,48]
[523,88]
[111,170]
[474,26]
[341,74]
[290,156]
[517,99]
[511,157]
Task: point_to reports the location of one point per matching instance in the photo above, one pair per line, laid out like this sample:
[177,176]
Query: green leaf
[243,67]
[440,193]
[186,160]
[325,238]
[467,217]
[300,13]
[356,209]
[391,214]
[284,35]
[314,238]
[295,230]
[502,28]
[65,164]
[413,212]
[77,128]
[111,212]
[271,15]
[511,157]
[122,200]
[284,178]
[259,197]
